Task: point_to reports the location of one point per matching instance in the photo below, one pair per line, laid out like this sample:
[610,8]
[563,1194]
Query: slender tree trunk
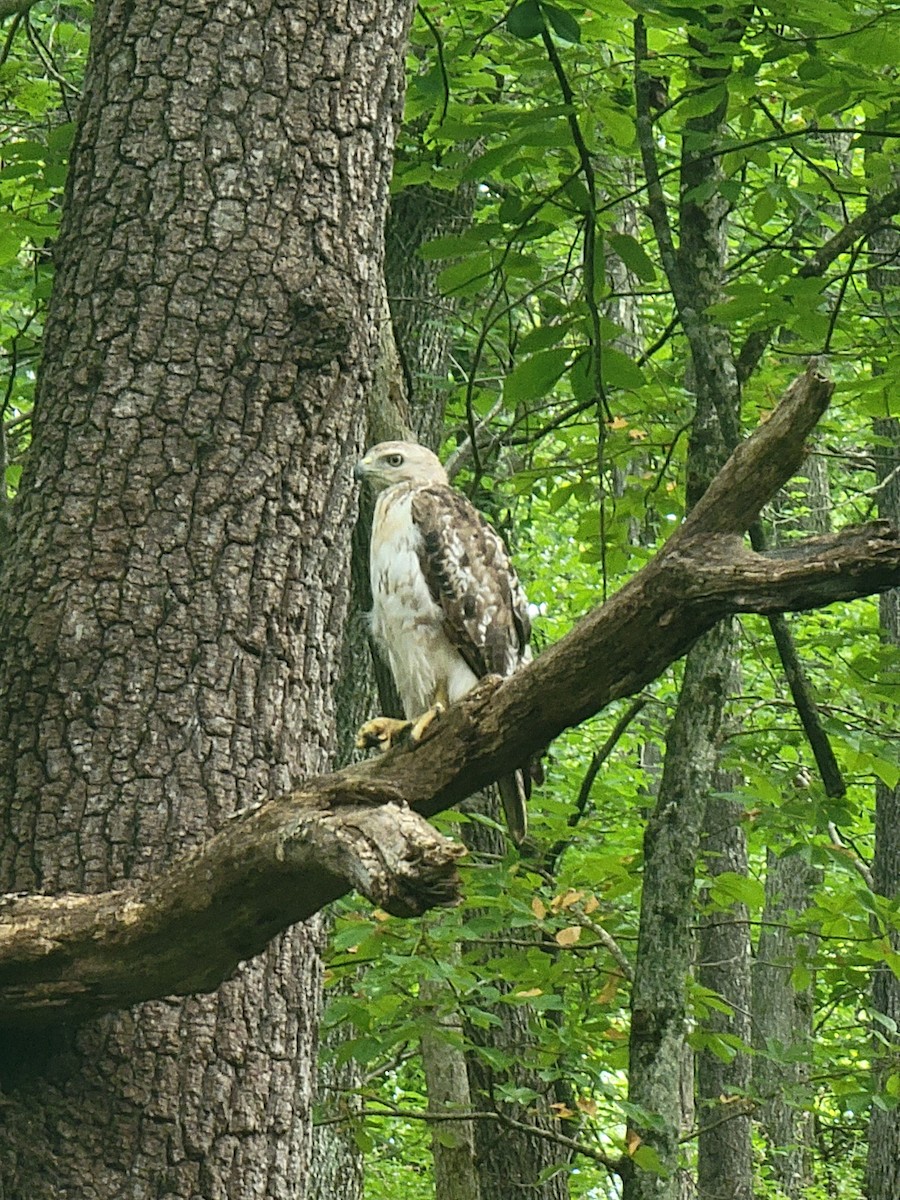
[422,316]
[724,1163]
[444,1063]
[783,1011]
[672,841]
[173,603]
[782,1019]
[883,1163]
[665,942]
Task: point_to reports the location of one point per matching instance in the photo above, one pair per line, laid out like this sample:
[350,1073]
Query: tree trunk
[174,600]
[782,1019]
[724,1163]
[421,315]
[447,1083]
[883,1163]
[665,942]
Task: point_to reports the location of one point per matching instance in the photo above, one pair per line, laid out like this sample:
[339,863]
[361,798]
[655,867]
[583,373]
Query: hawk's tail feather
[514,791]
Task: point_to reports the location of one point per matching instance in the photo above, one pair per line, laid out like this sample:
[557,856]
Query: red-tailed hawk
[448,607]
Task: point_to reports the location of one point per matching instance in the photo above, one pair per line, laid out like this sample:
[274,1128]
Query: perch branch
[75,955]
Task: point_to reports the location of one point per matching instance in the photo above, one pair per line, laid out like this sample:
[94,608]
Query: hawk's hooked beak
[359,471]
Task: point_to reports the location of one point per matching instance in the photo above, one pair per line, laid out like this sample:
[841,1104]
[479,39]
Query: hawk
[448,607]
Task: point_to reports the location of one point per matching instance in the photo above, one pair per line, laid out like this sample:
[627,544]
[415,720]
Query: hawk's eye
[394,460]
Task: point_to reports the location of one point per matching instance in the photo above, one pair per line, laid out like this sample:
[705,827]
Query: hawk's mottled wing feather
[470,576]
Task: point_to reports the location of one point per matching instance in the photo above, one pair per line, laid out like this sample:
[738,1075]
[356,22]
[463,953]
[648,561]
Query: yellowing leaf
[528,993]
[637,435]
[632,1141]
[587,1106]
[562,1110]
[539,908]
[380,915]
[566,899]
[591,905]
[609,990]
[568,936]
[617,423]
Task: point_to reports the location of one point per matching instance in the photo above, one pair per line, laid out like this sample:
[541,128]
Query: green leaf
[488,162]
[564,24]
[633,255]
[648,1160]
[730,888]
[535,376]
[618,370]
[472,270]
[801,977]
[543,337]
[525,20]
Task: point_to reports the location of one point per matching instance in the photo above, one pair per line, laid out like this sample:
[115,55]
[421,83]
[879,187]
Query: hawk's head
[399,462]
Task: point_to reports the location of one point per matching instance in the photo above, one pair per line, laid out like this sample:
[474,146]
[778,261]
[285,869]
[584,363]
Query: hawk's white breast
[406,622]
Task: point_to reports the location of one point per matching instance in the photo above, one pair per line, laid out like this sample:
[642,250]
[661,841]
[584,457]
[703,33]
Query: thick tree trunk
[174,600]
[514,1161]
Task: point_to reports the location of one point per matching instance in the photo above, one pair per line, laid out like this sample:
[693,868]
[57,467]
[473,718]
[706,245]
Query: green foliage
[570,364]
[41,68]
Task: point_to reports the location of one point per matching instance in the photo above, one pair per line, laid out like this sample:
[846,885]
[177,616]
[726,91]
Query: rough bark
[423,334]
[514,1161]
[422,316]
[695,271]
[337,1160]
[883,1162]
[174,599]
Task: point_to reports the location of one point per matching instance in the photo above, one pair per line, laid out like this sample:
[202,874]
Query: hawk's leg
[383,733]
[423,724]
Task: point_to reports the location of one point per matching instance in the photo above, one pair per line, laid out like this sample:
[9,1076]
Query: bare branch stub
[72,956]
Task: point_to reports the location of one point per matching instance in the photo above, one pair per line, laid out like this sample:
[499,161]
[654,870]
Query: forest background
[615,237]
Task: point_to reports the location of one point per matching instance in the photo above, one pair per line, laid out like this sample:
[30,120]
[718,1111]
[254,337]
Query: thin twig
[415,1114]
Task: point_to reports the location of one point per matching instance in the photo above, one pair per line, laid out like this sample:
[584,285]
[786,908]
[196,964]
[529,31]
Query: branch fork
[74,956]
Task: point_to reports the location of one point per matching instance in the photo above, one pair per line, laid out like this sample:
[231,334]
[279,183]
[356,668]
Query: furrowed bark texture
[423,333]
[174,601]
[422,316]
[510,1167]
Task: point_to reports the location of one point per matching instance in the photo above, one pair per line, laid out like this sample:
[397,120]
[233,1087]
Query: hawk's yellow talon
[381,733]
